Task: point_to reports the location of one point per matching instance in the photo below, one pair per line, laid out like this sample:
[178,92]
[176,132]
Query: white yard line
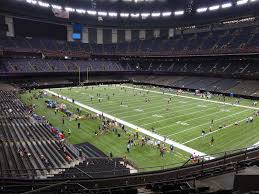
[132,126]
[221,118]
[213,131]
[160,110]
[189,97]
[183,115]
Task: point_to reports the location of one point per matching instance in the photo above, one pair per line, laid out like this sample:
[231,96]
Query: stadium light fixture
[167,14]
[31,2]
[56,7]
[145,15]
[226,5]
[202,9]
[134,15]
[102,13]
[124,15]
[81,11]
[112,14]
[91,12]
[177,13]
[155,14]
[242,2]
[253,0]
[214,7]
[69,9]
[43,4]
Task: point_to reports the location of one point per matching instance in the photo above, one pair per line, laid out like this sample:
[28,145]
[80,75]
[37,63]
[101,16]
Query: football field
[178,117]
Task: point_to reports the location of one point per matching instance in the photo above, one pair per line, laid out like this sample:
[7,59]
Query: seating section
[91,151]
[224,85]
[53,65]
[27,144]
[28,148]
[97,165]
[242,39]
[96,168]
[231,69]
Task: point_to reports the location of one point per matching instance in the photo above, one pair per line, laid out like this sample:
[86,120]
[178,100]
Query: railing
[85,54]
[223,159]
[180,175]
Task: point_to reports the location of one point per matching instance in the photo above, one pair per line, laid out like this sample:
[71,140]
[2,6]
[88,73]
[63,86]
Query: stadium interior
[129,96]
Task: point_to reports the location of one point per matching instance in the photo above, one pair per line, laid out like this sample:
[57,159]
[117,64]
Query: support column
[114,35]
[99,36]
[9,23]
[85,35]
[69,33]
[128,35]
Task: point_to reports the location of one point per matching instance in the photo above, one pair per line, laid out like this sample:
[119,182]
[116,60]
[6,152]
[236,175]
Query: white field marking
[161,110]
[124,105]
[182,123]
[156,115]
[182,102]
[139,110]
[256,145]
[221,118]
[119,97]
[146,107]
[189,97]
[155,98]
[162,120]
[142,130]
[130,104]
[224,110]
[213,131]
[203,106]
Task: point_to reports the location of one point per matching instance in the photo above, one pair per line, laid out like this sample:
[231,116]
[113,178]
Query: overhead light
[102,13]
[69,9]
[202,9]
[145,15]
[176,13]
[112,14]
[214,7]
[91,12]
[242,2]
[226,5]
[31,1]
[253,0]
[56,7]
[166,14]
[155,14]
[134,15]
[124,15]
[81,11]
[43,4]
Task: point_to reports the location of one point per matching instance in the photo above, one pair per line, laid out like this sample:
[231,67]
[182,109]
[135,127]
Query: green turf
[144,158]
[182,120]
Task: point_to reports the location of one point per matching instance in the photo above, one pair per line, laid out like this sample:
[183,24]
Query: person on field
[171,148]
[128,148]
[203,133]
[212,141]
